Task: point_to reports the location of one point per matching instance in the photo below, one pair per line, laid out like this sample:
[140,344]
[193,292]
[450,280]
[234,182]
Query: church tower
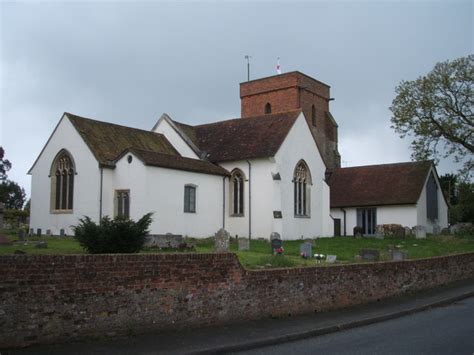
[292,91]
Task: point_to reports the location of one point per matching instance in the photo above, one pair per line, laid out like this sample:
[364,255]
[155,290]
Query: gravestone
[48,232]
[420,232]
[62,233]
[398,255]
[32,232]
[1,214]
[276,242]
[38,232]
[436,230]
[358,232]
[331,259]
[21,235]
[221,241]
[370,254]
[408,231]
[306,250]
[164,241]
[244,244]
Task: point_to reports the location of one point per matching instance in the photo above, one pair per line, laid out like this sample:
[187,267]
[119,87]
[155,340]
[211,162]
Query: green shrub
[118,235]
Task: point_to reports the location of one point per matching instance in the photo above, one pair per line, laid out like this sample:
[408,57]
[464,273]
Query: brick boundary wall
[56,298]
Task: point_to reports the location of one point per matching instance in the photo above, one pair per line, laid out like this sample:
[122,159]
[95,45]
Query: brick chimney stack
[291,91]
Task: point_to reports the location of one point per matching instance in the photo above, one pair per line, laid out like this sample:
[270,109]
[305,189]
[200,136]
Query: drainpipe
[250,199]
[223,202]
[100,196]
[344,211]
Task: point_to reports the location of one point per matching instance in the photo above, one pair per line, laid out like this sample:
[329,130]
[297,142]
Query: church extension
[275,169]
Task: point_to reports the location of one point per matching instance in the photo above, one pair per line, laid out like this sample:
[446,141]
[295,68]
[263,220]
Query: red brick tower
[291,91]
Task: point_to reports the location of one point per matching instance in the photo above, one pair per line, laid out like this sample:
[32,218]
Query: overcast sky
[127,63]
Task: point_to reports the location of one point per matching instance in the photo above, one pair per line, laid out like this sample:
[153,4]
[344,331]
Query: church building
[274,169]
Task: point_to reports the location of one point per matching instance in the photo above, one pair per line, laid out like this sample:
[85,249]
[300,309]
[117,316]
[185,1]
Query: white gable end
[164,126]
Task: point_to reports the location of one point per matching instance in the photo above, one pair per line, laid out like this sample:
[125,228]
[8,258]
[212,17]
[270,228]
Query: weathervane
[248,66]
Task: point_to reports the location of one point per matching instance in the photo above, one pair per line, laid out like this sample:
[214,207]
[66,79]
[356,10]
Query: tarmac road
[442,330]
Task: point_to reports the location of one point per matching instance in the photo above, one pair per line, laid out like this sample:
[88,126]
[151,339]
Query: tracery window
[62,182]
[302,190]
[237,193]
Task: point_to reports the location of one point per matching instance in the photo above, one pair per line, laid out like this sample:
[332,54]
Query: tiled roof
[241,138]
[375,185]
[179,163]
[107,141]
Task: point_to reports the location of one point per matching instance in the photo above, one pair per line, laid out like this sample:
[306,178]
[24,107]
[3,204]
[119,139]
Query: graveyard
[262,255]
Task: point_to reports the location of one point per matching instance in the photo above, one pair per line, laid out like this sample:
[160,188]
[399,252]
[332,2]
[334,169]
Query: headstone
[390,230]
[275,235]
[221,240]
[62,233]
[331,259]
[408,231]
[244,244]
[420,232]
[370,254]
[277,246]
[38,232]
[48,232]
[21,235]
[436,229]
[358,232]
[306,250]
[398,255]
[32,232]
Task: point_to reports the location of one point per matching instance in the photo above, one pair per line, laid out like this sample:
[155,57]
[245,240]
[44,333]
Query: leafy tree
[118,235]
[461,198]
[437,110]
[12,195]
[5,165]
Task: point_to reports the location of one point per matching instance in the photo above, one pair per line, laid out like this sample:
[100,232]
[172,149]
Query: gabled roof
[107,140]
[375,185]
[176,162]
[241,138]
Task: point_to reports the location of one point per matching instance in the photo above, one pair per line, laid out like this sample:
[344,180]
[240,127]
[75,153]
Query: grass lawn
[260,256]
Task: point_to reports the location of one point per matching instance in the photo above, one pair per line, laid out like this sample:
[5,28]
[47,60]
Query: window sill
[189,212]
[237,215]
[298,216]
[61,211]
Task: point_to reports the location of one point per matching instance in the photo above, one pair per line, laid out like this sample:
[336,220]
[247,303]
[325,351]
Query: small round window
[129,159]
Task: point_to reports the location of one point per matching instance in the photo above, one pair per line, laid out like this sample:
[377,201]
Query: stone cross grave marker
[221,241]
[331,259]
[244,244]
[306,250]
[370,254]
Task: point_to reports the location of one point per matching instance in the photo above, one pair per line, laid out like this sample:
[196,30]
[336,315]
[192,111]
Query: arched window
[268,108]
[237,193]
[62,182]
[302,189]
[313,115]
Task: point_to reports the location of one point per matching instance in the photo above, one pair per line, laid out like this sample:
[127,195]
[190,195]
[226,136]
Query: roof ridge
[268,115]
[385,164]
[74,116]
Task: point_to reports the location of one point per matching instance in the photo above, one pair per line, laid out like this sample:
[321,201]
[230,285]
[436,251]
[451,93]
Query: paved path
[250,334]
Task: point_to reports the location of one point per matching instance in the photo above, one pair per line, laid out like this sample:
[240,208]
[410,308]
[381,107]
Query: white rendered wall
[86,182]
[161,191]
[406,215]
[442,221]
[175,139]
[299,144]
